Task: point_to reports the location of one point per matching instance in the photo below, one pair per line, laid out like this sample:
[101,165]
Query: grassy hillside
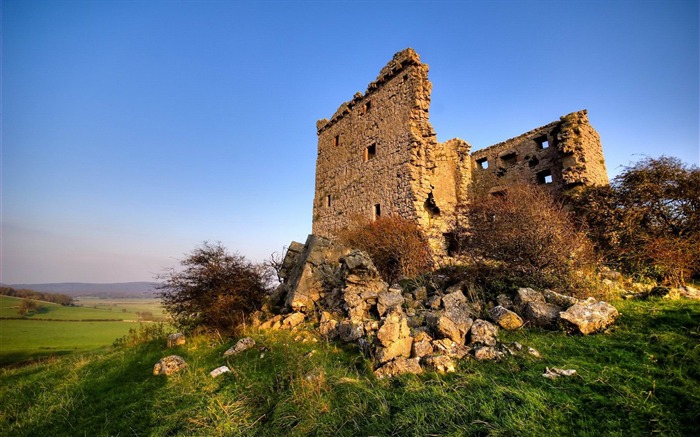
[641,377]
[89,309]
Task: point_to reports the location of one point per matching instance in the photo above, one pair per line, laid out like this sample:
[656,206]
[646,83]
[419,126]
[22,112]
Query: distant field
[70,330]
[89,309]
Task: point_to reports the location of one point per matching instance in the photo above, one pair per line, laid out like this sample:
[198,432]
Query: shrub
[647,223]
[396,245]
[523,235]
[215,289]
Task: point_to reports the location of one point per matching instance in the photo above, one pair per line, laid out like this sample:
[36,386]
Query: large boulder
[484,333]
[589,316]
[399,366]
[506,318]
[525,296]
[557,299]
[293,320]
[542,314]
[389,299]
[306,271]
[394,337]
[169,365]
[422,345]
[453,323]
[362,285]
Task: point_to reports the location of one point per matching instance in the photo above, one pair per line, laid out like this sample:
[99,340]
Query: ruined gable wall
[572,155]
[383,119]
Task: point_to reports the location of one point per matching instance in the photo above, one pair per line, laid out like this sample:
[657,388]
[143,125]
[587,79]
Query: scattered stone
[506,318]
[389,299]
[219,371]
[434,302]
[453,323]
[689,292]
[273,324]
[517,346]
[241,345]
[590,316]
[394,336]
[483,332]
[349,332]
[455,299]
[505,301]
[169,365]
[542,314]
[422,345]
[534,352]
[445,346]
[557,299]
[555,373]
[362,285]
[399,366]
[526,295]
[176,339]
[487,353]
[439,363]
[328,326]
[293,320]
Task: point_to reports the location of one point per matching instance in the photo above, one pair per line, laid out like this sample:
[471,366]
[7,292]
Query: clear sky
[133,131]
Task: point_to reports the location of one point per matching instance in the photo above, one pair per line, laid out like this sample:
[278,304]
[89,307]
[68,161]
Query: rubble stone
[241,345]
[484,333]
[399,366]
[590,316]
[439,363]
[541,314]
[505,318]
[176,339]
[169,365]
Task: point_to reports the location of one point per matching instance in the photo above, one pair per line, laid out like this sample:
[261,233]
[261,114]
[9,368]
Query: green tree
[647,222]
[214,289]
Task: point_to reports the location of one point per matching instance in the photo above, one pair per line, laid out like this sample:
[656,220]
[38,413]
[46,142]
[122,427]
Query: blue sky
[133,131]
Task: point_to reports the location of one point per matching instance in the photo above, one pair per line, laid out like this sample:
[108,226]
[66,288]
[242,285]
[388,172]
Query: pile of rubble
[406,330]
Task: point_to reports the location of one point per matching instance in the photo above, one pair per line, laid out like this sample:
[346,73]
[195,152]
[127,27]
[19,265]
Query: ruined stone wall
[560,155]
[378,155]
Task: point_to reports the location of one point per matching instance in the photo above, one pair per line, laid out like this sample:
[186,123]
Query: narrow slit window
[368,106]
[370,152]
[542,142]
[377,211]
[328,200]
[336,140]
[544,177]
[483,163]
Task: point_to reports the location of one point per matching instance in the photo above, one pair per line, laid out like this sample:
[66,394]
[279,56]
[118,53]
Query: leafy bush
[145,333]
[396,245]
[526,233]
[647,223]
[215,289]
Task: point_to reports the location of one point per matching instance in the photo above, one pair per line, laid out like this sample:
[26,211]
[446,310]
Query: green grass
[641,377]
[60,330]
[90,309]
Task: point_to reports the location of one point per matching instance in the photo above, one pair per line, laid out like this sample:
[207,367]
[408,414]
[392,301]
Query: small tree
[27,306]
[396,245]
[648,221]
[214,289]
[526,232]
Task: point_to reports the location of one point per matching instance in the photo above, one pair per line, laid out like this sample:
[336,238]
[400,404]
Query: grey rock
[542,314]
[176,339]
[561,300]
[590,316]
[399,366]
[169,365]
[389,299]
[241,345]
[484,333]
[506,318]
[349,332]
[439,363]
[456,299]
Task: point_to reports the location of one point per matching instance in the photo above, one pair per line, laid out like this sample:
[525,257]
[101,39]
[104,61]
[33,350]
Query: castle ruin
[378,155]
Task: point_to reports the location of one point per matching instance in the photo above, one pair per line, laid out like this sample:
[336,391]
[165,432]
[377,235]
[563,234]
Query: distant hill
[76,289]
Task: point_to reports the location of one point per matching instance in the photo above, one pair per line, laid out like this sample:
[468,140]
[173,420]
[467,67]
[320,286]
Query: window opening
[533,162]
[483,163]
[368,106]
[328,200]
[542,142]
[544,177]
[509,159]
[431,206]
[370,152]
[377,211]
[336,140]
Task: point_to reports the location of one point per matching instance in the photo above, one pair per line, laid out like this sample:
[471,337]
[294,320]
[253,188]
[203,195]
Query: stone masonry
[378,155]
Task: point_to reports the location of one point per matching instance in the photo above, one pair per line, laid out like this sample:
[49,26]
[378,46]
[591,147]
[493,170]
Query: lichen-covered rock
[422,345]
[542,314]
[293,320]
[389,299]
[399,366]
[362,285]
[434,302]
[349,332]
[590,316]
[455,299]
[505,301]
[526,295]
[506,318]
[273,323]
[394,336]
[219,371]
[328,326]
[487,353]
[169,365]
[557,299]
[241,345]
[453,323]
[554,373]
[439,363]
[445,346]
[176,339]
[484,333]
